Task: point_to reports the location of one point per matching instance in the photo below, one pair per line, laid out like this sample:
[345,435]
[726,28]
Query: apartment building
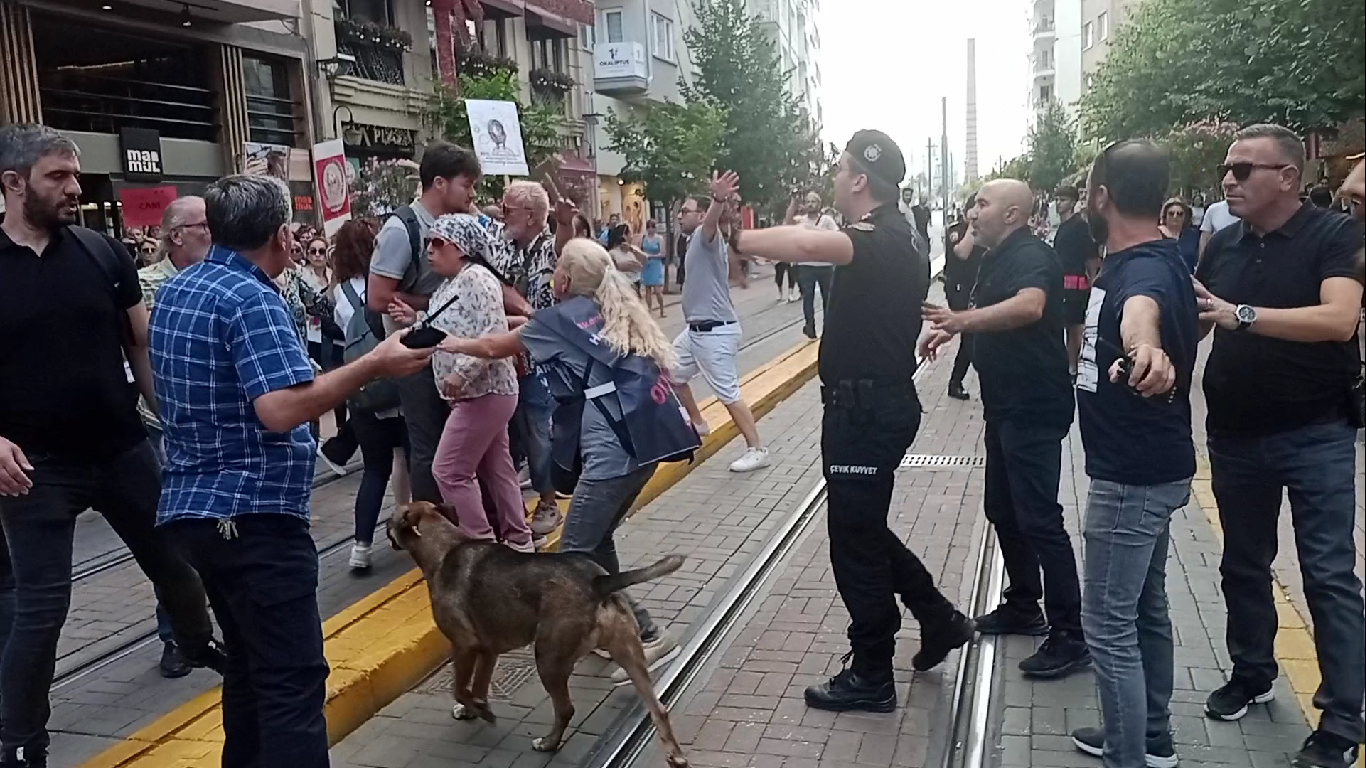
[1100,19]
[1056,60]
[637,54]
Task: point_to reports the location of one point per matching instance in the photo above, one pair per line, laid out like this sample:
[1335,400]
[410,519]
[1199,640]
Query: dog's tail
[606,585]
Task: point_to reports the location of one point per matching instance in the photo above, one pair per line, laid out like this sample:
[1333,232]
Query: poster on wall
[266,160]
[144,206]
[497,137]
[332,177]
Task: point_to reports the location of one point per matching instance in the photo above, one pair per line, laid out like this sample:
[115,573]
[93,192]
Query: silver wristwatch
[1245,316]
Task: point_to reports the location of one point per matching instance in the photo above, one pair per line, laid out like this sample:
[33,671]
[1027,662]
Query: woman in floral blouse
[482,393]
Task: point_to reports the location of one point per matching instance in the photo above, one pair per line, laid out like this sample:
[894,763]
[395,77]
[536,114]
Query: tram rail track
[970,693]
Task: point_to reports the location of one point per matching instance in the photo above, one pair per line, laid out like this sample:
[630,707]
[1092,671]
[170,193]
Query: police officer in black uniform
[872,412]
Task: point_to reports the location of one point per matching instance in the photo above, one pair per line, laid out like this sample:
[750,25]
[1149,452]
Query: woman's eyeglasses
[437,242]
[1243,171]
[148,250]
[317,251]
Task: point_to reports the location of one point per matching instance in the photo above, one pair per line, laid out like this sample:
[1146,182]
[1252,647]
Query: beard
[1100,230]
[48,213]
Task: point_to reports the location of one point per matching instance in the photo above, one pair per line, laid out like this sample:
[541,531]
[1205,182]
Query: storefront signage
[144,207]
[140,154]
[378,137]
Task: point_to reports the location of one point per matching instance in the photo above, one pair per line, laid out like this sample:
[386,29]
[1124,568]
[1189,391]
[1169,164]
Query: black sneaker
[1006,620]
[1159,753]
[810,332]
[846,692]
[957,392]
[939,641]
[210,655]
[1326,750]
[173,664]
[1059,656]
[1230,702]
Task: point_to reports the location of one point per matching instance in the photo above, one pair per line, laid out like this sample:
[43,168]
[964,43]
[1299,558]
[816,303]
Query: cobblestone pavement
[114,607]
[1033,720]
[748,712]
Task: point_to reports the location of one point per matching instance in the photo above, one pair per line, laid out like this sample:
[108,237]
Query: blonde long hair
[626,323]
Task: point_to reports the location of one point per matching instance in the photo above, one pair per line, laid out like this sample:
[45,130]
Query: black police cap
[878,156]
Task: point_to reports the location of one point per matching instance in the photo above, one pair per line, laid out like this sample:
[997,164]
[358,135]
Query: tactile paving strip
[514,670]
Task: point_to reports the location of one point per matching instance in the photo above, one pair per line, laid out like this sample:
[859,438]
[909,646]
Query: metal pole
[944,152]
[929,169]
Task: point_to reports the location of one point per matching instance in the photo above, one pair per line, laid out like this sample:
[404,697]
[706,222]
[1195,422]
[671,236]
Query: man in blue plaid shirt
[236,392]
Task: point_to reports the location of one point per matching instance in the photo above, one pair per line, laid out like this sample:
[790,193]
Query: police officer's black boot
[848,691]
[956,390]
[938,641]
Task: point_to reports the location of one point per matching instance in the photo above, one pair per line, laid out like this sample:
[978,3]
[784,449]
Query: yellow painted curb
[386,642]
[1294,639]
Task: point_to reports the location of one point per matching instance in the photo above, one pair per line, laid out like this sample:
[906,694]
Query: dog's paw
[462,712]
[544,744]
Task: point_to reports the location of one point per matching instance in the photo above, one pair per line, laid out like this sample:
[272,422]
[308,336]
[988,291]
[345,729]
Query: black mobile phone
[425,337]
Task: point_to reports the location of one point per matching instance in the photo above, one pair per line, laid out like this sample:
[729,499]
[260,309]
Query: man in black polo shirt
[871,415]
[1015,327]
[1279,290]
[70,435]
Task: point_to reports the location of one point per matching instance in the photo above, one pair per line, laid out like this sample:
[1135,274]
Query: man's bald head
[1003,206]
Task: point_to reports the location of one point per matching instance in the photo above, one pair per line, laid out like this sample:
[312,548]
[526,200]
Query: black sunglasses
[1242,171]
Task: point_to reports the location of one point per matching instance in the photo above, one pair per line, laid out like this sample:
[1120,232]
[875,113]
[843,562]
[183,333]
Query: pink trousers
[474,446]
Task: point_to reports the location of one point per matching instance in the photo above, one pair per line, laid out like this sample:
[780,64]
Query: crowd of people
[454,344]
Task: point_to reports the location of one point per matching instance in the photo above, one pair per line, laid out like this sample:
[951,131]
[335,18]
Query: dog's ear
[389,531]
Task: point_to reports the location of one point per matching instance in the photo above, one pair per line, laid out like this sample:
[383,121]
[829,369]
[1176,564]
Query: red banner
[143,207]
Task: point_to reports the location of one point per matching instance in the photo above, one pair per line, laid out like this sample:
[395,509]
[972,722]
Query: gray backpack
[359,338]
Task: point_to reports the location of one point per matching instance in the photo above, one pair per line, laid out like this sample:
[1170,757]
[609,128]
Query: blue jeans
[534,409]
[595,511]
[1124,611]
[1316,465]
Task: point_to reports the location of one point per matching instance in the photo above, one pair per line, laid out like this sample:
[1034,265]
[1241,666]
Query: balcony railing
[620,67]
[383,65]
[1045,27]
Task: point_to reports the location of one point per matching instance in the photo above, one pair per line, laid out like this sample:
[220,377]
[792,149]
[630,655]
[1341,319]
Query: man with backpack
[71,439]
[399,270]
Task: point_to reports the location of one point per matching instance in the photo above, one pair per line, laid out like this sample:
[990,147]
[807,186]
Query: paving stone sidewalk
[1033,720]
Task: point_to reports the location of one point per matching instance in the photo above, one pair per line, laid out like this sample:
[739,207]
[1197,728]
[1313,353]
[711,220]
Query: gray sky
[886,63]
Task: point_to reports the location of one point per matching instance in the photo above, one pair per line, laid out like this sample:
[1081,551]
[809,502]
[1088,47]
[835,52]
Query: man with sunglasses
[185,236]
[1280,293]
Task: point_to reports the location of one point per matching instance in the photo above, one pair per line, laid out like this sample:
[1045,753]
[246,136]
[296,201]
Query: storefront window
[378,11]
[100,80]
[270,107]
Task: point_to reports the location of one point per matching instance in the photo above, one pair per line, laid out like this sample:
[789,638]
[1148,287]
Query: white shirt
[343,310]
[1217,217]
[823,221]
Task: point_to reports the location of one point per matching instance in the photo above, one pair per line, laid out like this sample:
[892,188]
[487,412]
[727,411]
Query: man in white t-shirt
[812,274]
[1216,218]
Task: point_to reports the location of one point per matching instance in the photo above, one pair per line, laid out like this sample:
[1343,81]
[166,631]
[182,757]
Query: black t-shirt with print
[1023,371]
[64,391]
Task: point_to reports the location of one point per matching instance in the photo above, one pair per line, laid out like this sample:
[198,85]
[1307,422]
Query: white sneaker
[360,557]
[750,460]
[658,652]
[545,518]
[527,548]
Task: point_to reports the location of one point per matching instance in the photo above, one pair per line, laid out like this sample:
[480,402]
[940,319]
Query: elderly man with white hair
[523,255]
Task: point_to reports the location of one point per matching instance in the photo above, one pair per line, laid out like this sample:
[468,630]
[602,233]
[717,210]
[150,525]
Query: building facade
[1056,60]
[1100,19]
[161,94]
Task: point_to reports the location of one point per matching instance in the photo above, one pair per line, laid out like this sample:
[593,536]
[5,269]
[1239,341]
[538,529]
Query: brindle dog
[488,600]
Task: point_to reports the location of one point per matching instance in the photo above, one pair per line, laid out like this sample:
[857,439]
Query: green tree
[769,138]
[1300,63]
[1196,150]
[1052,146]
[670,148]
